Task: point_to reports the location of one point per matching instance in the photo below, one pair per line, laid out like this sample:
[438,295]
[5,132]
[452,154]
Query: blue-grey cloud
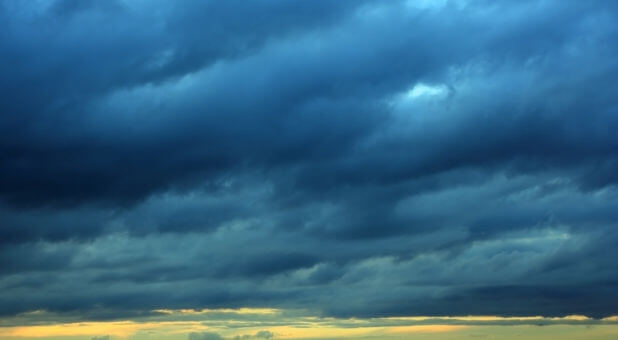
[356,158]
[205,336]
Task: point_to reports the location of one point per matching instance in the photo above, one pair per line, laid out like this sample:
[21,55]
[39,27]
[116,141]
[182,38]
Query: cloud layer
[354,158]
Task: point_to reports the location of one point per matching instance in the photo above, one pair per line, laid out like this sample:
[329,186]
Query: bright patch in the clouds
[426,90]
[423,4]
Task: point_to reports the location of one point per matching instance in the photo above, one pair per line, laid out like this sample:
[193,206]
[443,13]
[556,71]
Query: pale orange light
[114,328]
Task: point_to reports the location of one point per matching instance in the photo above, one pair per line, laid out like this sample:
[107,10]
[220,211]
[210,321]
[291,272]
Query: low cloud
[205,336]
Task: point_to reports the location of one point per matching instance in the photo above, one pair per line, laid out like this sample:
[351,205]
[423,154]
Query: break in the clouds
[352,158]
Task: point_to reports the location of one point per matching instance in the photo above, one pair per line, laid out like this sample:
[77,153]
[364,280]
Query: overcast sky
[348,158]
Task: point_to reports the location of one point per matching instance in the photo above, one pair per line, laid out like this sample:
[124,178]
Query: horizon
[264,323]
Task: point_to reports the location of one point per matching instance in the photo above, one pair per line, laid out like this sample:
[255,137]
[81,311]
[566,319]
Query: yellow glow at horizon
[244,310]
[125,329]
[115,328]
[290,327]
[319,331]
[424,329]
[471,318]
[573,318]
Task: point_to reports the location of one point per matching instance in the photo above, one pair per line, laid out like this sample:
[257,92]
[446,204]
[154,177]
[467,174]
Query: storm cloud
[353,158]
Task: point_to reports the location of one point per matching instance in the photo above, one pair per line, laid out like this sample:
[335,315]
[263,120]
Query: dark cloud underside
[356,158]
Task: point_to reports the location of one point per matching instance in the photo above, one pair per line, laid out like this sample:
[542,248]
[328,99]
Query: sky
[265,169]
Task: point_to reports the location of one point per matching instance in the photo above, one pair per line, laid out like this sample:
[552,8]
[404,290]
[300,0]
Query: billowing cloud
[352,158]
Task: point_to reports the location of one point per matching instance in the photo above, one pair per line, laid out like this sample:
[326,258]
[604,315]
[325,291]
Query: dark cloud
[205,336]
[216,336]
[357,158]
